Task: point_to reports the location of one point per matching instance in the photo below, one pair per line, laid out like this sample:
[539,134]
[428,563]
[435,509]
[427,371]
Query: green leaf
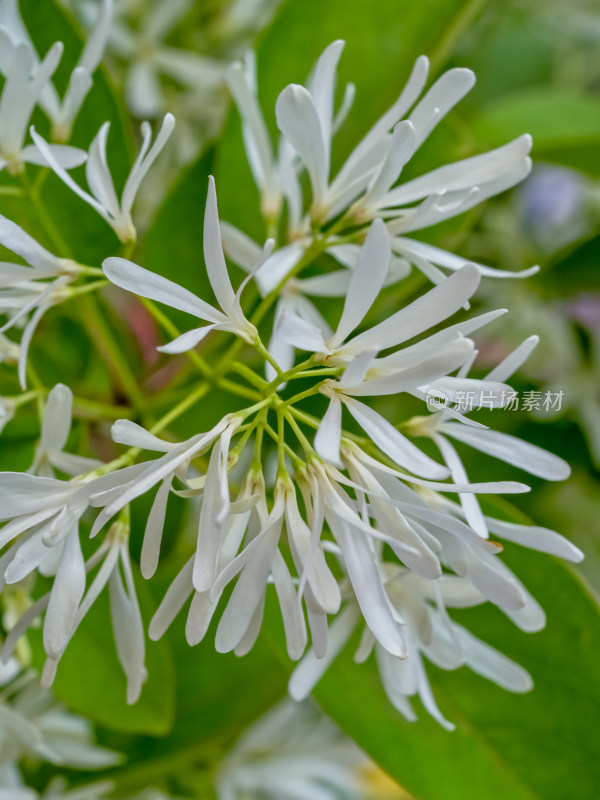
[540,745]
[565,126]
[90,679]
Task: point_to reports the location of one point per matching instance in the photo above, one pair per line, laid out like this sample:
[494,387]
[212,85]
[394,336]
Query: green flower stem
[179,409]
[301,395]
[306,445]
[32,192]
[169,327]
[281,441]
[249,375]
[84,408]
[268,357]
[294,457]
[103,338]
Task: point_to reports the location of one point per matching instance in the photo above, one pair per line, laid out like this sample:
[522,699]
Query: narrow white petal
[445,93]
[542,539]
[154,530]
[512,450]
[213,254]
[508,366]
[173,601]
[143,163]
[57,419]
[436,305]
[98,174]
[329,434]
[463,174]
[495,666]
[298,332]
[367,280]
[140,281]
[298,120]
[65,597]
[393,443]
[311,669]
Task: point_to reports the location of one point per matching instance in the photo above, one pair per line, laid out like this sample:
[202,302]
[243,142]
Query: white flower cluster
[359,524]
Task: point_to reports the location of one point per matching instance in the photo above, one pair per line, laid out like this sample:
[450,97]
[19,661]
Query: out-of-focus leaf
[540,745]
[565,126]
[90,679]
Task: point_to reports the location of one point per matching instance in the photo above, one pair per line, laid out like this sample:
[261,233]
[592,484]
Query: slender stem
[301,395]
[169,327]
[306,445]
[102,337]
[52,231]
[179,409]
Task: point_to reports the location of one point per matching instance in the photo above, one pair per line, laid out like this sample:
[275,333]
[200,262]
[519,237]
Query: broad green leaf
[90,679]
[565,126]
[542,745]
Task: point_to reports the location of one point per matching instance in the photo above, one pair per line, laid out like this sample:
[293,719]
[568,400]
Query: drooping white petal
[154,530]
[515,451]
[65,597]
[491,664]
[311,669]
[542,539]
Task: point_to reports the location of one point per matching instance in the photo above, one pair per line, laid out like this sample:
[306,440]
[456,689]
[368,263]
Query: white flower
[363,188]
[430,634]
[61,112]
[229,317]
[22,91]
[56,425]
[103,197]
[142,46]
[42,516]
[292,752]
[508,448]
[34,724]
[30,289]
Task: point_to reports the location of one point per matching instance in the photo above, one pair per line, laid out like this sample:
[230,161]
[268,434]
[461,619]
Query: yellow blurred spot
[379,786]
